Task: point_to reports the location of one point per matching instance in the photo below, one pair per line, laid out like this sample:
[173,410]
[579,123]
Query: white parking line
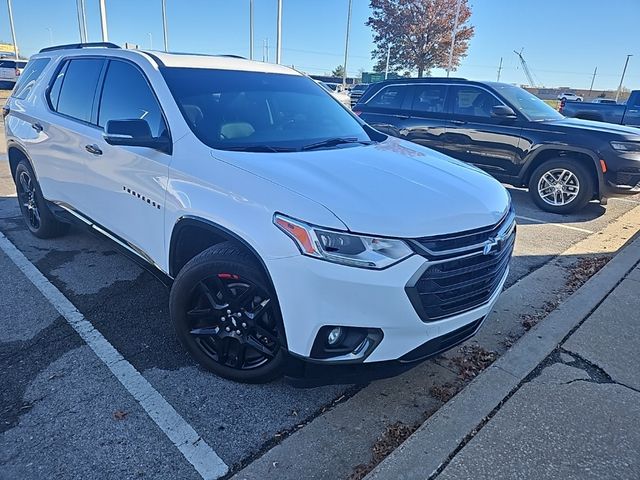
[197,452]
[570,227]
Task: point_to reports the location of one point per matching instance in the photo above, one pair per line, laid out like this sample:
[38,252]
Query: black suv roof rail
[71,46]
[424,79]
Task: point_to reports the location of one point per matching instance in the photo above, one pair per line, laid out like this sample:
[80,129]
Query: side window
[54,92]
[389,98]
[79,87]
[429,98]
[126,95]
[473,102]
[27,80]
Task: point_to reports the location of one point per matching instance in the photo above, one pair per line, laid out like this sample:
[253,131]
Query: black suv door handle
[94,149]
[458,122]
[37,127]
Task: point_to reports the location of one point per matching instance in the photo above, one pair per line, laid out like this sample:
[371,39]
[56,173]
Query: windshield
[255,111]
[526,103]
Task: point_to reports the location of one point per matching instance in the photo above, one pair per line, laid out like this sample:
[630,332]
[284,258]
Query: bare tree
[419,33]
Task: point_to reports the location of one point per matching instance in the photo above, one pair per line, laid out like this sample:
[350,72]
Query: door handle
[37,127]
[94,149]
[458,122]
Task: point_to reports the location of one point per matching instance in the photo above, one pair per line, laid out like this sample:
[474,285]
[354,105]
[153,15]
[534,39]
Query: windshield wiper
[259,148]
[332,142]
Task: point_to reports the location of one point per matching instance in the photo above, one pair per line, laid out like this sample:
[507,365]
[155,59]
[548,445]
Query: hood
[600,127]
[393,188]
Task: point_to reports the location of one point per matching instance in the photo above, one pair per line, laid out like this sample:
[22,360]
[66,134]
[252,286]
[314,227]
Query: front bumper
[622,176]
[313,293]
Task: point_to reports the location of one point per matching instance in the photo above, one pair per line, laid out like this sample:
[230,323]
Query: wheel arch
[545,154]
[16,153]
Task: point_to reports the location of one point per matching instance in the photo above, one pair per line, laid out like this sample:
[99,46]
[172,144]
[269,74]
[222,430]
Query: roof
[185,60]
[219,62]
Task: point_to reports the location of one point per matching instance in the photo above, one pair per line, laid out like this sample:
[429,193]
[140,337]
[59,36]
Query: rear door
[427,123]
[389,109]
[474,136]
[127,184]
[59,150]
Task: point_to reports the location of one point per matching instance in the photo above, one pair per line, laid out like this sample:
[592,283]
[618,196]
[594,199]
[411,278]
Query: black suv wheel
[561,185]
[39,219]
[226,315]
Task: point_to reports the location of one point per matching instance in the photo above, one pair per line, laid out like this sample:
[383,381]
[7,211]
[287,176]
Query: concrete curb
[439,438]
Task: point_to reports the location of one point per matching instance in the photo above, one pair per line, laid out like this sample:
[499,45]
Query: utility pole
[624,70]
[165,33]
[453,36]
[386,69]
[103,21]
[250,29]
[150,41]
[13,30]
[499,70]
[593,79]
[82,21]
[265,50]
[50,30]
[279,34]
[346,47]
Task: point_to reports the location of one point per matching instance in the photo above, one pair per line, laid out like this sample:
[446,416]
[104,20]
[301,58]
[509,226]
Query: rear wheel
[39,219]
[226,315]
[562,185]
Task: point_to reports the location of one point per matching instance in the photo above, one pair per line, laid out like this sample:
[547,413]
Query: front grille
[456,284]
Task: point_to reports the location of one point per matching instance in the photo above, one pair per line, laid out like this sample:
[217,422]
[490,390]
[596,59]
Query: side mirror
[502,111]
[134,133]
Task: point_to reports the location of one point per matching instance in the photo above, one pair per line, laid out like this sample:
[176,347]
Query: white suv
[296,239]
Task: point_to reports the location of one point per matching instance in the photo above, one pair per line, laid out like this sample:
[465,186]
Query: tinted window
[524,102]
[474,102]
[239,110]
[126,95]
[7,64]
[27,80]
[429,98]
[78,88]
[389,97]
[54,92]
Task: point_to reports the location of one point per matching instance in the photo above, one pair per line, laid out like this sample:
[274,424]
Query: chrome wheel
[558,187]
[27,198]
[232,322]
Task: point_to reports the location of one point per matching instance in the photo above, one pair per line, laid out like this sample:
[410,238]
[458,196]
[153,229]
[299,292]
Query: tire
[581,186]
[35,211]
[226,278]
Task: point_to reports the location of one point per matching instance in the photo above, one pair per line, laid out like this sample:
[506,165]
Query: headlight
[626,146]
[345,248]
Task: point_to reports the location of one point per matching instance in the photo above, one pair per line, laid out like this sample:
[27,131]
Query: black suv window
[389,98]
[27,80]
[126,95]
[473,102]
[429,98]
[78,87]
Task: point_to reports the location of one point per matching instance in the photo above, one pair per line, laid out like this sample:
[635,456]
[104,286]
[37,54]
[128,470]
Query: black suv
[513,135]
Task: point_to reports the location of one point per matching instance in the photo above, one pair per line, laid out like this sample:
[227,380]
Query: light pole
[13,31]
[279,33]
[103,21]
[386,69]
[624,70]
[499,70]
[593,79]
[82,21]
[346,48]
[453,36]
[164,26]
[250,29]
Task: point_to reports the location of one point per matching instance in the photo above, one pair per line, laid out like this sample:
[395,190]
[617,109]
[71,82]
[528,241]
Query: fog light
[334,336]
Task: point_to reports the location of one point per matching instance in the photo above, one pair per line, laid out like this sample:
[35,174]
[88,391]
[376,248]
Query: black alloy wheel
[226,315]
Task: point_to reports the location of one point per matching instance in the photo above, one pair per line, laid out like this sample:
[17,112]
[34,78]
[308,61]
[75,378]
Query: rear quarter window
[29,77]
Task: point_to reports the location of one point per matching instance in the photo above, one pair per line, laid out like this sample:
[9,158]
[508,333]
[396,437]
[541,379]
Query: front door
[474,136]
[127,184]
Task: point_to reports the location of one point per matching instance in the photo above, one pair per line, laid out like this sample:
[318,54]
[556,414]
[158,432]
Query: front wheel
[226,315]
[562,185]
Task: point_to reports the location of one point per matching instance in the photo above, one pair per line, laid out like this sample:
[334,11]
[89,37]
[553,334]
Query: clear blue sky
[563,40]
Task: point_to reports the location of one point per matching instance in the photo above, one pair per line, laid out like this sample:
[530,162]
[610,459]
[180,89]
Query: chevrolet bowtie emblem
[492,244]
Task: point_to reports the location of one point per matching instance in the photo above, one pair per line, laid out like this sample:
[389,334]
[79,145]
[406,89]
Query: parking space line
[570,227]
[195,450]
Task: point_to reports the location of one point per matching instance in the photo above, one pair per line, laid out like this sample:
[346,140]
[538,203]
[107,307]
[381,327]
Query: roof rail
[71,46]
